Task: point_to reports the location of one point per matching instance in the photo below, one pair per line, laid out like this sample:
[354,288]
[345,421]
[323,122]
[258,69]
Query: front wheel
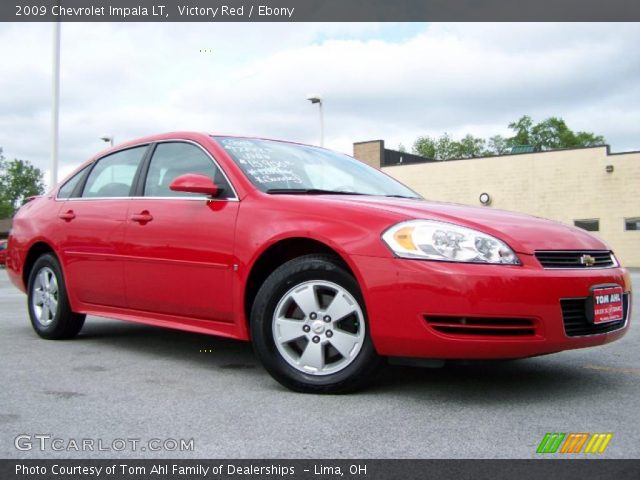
[309,327]
[49,309]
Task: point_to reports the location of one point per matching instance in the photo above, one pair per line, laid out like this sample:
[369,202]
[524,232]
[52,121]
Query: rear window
[68,189]
[113,175]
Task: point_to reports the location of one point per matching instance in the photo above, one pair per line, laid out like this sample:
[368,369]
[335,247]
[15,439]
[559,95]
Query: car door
[180,245]
[94,219]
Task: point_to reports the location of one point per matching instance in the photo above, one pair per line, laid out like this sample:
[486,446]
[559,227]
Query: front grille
[504,327]
[576,324]
[576,259]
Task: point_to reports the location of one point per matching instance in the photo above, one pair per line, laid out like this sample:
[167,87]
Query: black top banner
[319,10]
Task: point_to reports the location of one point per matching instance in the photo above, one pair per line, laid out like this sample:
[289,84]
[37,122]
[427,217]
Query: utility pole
[55,108]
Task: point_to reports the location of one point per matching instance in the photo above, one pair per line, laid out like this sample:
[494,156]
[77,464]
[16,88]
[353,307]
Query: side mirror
[194,183]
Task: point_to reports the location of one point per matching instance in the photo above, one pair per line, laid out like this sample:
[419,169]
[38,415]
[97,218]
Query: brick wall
[371,153]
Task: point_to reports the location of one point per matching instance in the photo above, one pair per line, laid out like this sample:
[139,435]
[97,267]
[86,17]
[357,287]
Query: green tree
[470,147]
[446,147]
[19,180]
[497,145]
[549,134]
[522,127]
[588,139]
[425,147]
[554,133]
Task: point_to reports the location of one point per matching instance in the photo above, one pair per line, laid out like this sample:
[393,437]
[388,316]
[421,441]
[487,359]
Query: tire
[296,339]
[49,309]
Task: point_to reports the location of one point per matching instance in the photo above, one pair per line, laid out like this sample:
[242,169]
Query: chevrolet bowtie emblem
[587,260]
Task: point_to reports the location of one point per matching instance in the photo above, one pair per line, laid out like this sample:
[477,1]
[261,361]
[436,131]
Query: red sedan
[325,264]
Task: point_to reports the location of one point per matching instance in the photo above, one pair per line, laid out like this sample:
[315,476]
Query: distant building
[375,154]
[5,226]
[587,187]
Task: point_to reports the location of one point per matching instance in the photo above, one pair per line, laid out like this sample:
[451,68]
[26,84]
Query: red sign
[607,305]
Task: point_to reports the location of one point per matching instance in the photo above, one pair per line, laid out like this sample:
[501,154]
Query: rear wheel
[49,309]
[309,327]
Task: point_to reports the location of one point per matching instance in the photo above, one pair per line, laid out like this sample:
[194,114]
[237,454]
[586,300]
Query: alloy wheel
[45,296]
[318,327]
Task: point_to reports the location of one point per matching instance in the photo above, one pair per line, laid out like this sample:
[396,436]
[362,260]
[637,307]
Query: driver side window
[172,159]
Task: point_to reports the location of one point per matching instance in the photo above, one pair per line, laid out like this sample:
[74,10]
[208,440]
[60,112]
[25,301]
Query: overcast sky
[379,81]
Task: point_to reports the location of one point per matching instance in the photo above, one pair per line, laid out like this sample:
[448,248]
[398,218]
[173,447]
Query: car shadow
[169,343]
[477,382]
[491,382]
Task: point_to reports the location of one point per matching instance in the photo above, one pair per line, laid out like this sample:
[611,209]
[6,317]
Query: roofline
[187,133]
[606,146]
[621,153]
[157,137]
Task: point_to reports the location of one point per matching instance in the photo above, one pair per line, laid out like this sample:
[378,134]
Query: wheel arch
[35,251]
[279,253]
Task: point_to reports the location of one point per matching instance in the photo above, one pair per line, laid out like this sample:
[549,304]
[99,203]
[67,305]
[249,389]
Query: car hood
[524,233]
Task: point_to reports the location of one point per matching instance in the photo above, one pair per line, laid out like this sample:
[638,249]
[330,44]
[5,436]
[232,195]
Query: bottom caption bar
[579,469]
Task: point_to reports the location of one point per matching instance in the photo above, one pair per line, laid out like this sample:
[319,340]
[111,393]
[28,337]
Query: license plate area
[606,304]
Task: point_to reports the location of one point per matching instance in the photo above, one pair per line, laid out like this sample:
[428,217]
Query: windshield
[280,167]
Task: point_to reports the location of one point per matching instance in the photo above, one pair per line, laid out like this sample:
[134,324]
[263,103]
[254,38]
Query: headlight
[431,240]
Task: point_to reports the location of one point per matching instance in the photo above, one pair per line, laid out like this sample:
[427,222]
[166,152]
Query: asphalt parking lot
[131,382]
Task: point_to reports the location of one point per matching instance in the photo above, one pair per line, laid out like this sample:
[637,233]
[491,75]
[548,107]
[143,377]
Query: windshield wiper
[310,191]
[403,196]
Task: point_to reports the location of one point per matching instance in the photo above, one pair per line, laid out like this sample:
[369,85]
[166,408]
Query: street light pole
[109,140]
[55,108]
[317,99]
[321,124]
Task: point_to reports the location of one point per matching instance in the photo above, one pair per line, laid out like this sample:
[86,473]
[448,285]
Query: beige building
[588,187]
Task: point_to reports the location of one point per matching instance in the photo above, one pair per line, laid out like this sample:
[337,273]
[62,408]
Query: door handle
[67,216]
[142,217]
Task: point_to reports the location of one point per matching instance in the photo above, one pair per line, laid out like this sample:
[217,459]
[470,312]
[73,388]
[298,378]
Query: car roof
[187,135]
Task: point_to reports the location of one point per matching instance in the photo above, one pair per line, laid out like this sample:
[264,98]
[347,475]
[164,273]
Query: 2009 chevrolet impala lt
[325,264]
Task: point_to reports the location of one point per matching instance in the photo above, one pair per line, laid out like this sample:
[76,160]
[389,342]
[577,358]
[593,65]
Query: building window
[632,223]
[591,225]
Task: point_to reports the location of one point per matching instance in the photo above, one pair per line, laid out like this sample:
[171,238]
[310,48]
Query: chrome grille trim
[576,259]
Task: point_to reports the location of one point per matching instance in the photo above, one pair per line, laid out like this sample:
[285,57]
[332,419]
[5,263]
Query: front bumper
[404,296]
